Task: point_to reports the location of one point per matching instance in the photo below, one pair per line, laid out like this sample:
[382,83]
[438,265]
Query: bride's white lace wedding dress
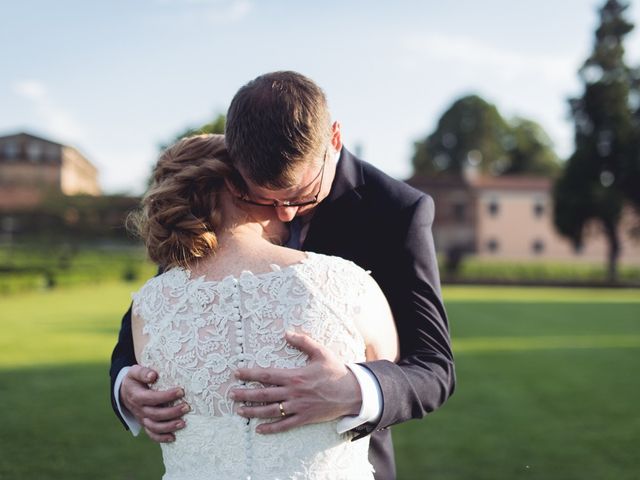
[198,331]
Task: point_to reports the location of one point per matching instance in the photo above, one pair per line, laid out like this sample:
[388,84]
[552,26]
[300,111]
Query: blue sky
[116,78]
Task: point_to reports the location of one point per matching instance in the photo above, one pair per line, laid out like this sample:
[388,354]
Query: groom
[350,209]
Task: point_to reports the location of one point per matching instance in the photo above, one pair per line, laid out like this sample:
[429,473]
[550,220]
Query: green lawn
[547,389]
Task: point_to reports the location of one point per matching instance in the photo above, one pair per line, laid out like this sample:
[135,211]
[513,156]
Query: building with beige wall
[31,167]
[511,218]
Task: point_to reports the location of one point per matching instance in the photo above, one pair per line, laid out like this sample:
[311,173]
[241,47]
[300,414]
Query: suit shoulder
[396,192]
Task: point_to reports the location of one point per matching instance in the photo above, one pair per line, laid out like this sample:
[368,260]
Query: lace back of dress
[198,332]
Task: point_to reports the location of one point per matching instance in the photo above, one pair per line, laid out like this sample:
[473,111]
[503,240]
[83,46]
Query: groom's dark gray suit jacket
[383,225]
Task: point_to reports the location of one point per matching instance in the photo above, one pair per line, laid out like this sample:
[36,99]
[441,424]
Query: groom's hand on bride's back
[323,390]
[149,406]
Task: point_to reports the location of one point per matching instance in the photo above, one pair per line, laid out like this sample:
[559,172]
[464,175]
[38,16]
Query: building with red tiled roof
[511,218]
[32,166]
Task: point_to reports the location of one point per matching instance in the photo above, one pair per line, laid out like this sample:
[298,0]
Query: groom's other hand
[149,406]
[323,390]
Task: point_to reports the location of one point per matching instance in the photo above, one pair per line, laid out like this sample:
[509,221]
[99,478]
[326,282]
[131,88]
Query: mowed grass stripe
[75,325]
[546,389]
[80,325]
[541,294]
[514,344]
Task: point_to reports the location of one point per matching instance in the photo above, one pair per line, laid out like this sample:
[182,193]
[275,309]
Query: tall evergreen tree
[591,187]
[631,174]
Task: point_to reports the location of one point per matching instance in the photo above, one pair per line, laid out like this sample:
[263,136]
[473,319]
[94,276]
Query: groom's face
[312,185]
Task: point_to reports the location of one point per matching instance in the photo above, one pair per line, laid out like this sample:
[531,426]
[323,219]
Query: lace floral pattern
[198,331]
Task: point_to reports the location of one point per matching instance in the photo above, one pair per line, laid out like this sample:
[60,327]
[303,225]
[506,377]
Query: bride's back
[195,332]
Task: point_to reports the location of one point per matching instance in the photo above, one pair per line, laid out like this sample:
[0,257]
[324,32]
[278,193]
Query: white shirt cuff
[371,408]
[129,419]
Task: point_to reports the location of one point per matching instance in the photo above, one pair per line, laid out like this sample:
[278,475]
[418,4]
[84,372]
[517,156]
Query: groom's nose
[286,214]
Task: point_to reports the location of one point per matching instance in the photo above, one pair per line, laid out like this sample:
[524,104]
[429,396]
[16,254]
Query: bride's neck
[247,232]
[240,228]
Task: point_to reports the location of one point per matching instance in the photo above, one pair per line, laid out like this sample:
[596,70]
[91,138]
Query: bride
[228,298]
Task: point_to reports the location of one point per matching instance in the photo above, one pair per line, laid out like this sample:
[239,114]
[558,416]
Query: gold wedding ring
[282,412]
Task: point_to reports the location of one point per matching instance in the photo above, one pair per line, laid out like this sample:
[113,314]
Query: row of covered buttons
[239,349]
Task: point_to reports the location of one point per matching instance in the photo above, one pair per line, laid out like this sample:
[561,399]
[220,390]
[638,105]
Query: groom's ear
[336,136]
[232,187]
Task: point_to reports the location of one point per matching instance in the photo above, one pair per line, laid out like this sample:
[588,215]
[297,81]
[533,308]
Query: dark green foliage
[215,126]
[72,220]
[472,132]
[532,151]
[35,267]
[630,176]
[600,173]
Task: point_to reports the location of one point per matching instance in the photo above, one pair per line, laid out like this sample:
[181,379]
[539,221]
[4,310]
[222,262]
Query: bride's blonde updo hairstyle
[178,217]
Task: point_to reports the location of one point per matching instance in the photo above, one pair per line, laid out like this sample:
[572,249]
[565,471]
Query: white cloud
[51,118]
[502,62]
[233,12]
[211,11]
[31,89]
[531,85]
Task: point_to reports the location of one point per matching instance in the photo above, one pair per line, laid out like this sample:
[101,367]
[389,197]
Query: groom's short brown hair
[276,122]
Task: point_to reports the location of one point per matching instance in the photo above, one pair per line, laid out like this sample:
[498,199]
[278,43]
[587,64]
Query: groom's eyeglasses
[301,202]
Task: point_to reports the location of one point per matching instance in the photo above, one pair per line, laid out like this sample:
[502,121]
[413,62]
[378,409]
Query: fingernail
[150,376]
[180,424]
[232,395]
[186,408]
[180,393]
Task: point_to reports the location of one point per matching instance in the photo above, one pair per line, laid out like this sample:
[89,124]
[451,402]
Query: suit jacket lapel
[325,227]
[347,179]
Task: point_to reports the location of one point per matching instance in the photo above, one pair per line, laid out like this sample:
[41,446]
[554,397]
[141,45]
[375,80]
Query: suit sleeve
[123,356]
[424,377]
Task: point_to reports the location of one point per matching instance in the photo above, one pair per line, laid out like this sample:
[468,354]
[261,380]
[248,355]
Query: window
[537,247]
[459,212]
[10,150]
[538,207]
[34,151]
[494,207]
[52,153]
[493,246]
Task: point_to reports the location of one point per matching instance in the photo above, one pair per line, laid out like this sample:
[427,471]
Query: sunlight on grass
[511,344]
[80,325]
[76,325]
[516,294]
[544,380]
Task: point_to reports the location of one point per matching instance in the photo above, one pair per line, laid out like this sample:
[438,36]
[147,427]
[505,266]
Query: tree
[592,186]
[472,132]
[631,171]
[215,126]
[531,151]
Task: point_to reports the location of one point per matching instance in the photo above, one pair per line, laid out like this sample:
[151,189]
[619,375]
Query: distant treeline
[70,220]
